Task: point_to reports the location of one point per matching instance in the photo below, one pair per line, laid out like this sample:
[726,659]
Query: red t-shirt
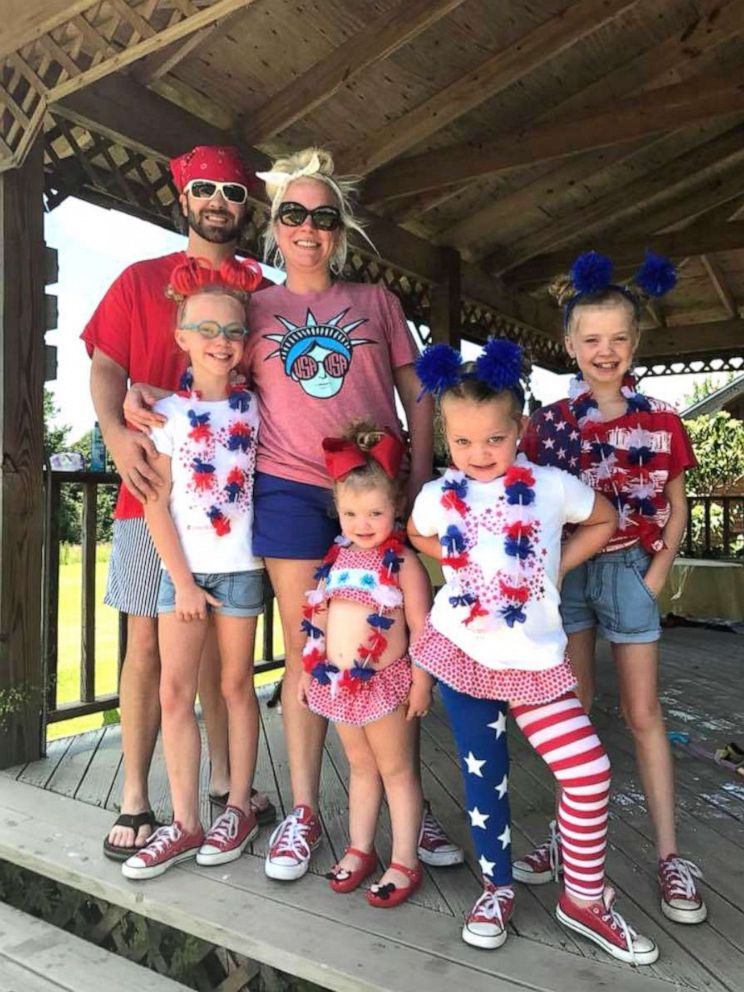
[629,460]
[134,325]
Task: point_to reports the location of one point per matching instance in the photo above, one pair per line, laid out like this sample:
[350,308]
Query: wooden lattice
[479,322]
[690,363]
[107,36]
[186,959]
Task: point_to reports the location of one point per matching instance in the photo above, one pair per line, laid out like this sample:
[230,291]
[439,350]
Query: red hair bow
[193,274]
[342,456]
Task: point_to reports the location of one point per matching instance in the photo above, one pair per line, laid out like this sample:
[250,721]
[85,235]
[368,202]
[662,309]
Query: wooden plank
[446,302]
[36,955]
[720,284]
[88,595]
[339,943]
[549,39]
[374,42]
[70,772]
[98,778]
[39,772]
[21,438]
[672,107]
[692,338]
[26,20]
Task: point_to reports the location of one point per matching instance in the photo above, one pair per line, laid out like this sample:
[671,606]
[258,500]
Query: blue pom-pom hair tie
[499,366]
[591,274]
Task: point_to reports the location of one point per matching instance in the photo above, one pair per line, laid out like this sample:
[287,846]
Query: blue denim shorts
[241,593]
[608,592]
[292,519]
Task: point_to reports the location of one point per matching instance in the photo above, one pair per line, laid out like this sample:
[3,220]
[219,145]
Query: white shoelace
[431,829]
[617,922]
[551,848]
[680,875]
[291,838]
[489,904]
[160,840]
[225,827]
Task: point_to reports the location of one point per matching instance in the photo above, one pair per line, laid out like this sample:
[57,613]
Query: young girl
[202,531]
[494,637]
[372,591]
[634,450]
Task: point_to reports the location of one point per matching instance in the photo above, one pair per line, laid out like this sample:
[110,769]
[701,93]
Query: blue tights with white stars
[562,734]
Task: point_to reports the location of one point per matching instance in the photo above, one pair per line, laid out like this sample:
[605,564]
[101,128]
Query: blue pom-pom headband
[591,273]
[499,366]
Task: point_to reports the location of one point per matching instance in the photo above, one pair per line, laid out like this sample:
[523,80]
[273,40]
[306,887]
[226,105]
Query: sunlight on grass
[106,641]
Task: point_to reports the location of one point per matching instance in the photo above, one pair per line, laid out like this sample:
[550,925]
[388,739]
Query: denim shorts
[241,593]
[292,519]
[609,592]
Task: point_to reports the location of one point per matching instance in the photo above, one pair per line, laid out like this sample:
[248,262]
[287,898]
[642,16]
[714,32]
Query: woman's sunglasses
[204,189]
[324,218]
[212,329]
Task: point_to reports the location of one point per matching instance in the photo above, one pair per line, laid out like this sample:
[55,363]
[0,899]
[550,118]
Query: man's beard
[214,234]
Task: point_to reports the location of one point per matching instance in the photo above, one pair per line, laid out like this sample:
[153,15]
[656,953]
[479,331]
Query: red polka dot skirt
[366,701]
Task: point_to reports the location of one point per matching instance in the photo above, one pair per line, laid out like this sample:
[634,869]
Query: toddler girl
[202,531]
[494,637]
[372,591]
[634,450]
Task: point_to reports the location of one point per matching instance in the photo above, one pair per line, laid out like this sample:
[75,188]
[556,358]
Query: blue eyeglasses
[212,329]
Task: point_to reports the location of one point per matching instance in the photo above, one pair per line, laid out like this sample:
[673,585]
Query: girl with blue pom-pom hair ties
[634,450]
[495,641]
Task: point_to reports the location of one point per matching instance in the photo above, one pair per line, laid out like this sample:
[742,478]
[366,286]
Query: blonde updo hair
[562,290]
[312,163]
[371,475]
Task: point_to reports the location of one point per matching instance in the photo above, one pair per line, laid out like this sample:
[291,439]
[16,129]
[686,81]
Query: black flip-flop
[136,821]
[265,815]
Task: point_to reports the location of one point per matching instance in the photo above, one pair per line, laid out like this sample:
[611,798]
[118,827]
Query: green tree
[719,446]
[704,388]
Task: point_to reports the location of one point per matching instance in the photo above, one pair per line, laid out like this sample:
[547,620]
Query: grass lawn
[69,631]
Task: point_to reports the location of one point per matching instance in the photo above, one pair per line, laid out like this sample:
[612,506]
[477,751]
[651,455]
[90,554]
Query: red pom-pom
[520,528]
[515,473]
[244,275]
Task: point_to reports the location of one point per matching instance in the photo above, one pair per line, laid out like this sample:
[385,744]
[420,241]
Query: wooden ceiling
[496,138]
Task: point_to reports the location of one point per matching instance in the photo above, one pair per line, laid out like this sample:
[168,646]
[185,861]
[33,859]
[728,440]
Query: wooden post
[446,319]
[21,436]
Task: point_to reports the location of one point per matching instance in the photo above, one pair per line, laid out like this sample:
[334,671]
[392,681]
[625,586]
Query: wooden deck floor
[341,943]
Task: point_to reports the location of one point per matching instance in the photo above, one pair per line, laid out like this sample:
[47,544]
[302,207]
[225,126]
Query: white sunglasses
[205,189]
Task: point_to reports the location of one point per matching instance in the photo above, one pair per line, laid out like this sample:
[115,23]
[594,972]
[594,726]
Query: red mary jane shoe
[343,880]
[389,895]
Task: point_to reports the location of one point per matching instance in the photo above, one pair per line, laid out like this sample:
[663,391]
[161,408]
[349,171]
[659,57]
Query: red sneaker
[542,865]
[680,899]
[228,837]
[486,922]
[603,925]
[291,845]
[434,846]
[167,846]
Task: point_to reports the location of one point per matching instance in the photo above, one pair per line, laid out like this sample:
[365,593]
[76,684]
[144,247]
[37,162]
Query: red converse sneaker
[434,846]
[680,899]
[542,865]
[486,922]
[167,846]
[291,845]
[603,925]
[228,837]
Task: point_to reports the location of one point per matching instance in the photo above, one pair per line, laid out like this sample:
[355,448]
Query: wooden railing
[89,700]
[715,527]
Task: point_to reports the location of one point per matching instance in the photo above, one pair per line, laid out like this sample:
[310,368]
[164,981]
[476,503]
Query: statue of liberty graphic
[317,354]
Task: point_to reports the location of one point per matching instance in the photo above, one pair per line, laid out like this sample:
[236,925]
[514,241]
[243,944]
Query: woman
[320,353]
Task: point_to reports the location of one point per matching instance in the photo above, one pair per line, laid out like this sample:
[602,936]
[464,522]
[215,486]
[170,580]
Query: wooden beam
[374,42]
[671,107]
[516,60]
[21,437]
[682,56]
[159,64]
[686,174]
[720,284]
[26,20]
[695,240]
[446,303]
[690,339]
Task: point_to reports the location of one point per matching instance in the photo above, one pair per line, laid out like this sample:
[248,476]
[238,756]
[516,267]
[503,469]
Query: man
[130,338]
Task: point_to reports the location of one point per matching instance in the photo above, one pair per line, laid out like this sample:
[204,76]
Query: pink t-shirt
[317,361]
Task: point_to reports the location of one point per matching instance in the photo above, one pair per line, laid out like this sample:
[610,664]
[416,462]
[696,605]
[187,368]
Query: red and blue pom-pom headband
[499,366]
[591,274]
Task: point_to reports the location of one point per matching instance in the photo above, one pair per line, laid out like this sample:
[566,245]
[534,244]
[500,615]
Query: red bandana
[220,163]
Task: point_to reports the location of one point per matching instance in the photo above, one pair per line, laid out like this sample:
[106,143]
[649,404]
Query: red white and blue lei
[220,497]
[513,585]
[382,587]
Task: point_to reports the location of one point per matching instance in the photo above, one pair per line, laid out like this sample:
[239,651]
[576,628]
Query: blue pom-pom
[500,364]
[591,272]
[439,368]
[657,275]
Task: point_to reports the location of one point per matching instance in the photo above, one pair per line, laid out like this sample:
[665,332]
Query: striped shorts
[134,570]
